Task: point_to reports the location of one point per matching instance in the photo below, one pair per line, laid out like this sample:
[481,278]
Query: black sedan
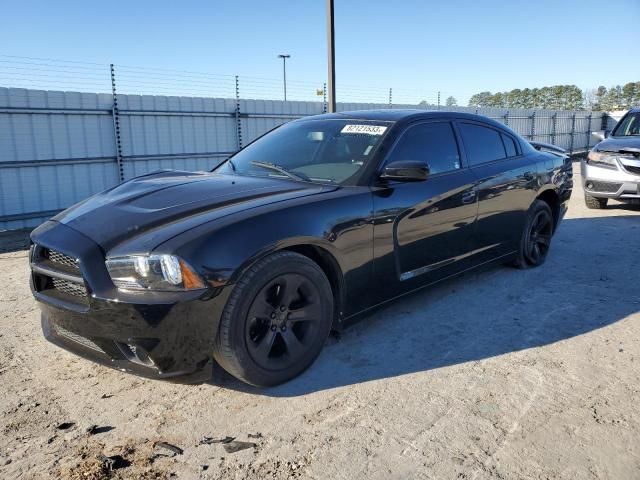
[304,230]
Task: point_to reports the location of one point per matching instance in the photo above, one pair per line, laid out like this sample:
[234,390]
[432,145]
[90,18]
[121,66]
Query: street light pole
[284,72]
[331,61]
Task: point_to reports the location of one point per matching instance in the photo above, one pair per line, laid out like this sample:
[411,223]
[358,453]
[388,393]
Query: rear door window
[482,144]
[509,145]
[432,143]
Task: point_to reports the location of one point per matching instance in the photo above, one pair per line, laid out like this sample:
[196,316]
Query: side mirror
[600,134]
[406,171]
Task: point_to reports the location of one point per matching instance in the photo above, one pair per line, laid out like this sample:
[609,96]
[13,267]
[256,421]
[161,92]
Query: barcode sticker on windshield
[366,129]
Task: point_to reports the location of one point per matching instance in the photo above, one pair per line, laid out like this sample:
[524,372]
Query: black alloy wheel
[276,320]
[282,320]
[539,239]
[536,236]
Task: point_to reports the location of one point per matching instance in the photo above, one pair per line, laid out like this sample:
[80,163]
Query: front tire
[595,203]
[276,320]
[536,236]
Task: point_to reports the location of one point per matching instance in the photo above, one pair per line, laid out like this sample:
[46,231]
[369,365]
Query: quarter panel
[506,190]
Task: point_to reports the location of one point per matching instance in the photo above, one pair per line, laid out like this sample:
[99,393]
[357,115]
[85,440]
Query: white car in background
[612,167]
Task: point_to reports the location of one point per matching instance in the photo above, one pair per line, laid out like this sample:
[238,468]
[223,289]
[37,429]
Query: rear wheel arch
[536,236]
[551,198]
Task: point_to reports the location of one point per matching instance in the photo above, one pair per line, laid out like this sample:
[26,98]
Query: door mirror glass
[600,134]
[406,171]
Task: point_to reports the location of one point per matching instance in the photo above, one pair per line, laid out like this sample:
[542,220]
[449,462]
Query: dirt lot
[501,374]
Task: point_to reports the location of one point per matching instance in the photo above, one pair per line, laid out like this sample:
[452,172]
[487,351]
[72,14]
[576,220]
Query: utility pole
[331,60]
[284,72]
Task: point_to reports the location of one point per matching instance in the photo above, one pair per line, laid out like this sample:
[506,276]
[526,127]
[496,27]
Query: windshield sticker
[366,129]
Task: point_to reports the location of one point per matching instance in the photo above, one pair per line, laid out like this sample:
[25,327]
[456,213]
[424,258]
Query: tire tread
[595,203]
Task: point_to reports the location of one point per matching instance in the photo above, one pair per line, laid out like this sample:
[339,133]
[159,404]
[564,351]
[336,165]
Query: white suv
[612,168]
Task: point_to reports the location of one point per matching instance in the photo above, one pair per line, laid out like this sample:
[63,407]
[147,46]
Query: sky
[415,47]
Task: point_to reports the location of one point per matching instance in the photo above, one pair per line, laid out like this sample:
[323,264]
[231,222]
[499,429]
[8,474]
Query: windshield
[322,151]
[628,126]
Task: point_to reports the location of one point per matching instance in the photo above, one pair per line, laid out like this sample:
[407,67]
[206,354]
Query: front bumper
[163,336]
[602,182]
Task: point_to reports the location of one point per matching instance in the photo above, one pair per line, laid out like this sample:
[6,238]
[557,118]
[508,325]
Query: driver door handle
[469,197]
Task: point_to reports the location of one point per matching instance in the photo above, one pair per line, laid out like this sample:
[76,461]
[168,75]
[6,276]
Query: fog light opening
[137,354]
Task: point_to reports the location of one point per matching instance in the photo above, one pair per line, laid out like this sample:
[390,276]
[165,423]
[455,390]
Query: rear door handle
[469,196]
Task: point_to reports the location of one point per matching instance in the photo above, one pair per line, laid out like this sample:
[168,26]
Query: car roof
[407,114]
[389,114]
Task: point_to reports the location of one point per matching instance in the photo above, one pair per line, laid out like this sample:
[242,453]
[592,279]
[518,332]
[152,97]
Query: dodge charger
[305,230]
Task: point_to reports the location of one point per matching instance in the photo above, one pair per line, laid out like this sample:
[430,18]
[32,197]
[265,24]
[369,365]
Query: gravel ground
[498,374]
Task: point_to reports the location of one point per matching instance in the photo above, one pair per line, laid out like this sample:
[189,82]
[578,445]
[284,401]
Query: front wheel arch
[233,349]
[331,268]
[319,254]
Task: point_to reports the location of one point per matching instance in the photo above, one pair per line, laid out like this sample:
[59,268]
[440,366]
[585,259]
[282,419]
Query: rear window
[482,144]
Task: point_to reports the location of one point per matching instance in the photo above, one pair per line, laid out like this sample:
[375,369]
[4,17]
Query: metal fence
[57,148]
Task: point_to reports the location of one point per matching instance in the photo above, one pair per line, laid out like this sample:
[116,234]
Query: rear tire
[536,236]
[595,203]
[276,320]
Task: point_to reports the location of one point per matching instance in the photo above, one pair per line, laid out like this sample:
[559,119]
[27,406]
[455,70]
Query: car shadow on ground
[629,207]
[582,287]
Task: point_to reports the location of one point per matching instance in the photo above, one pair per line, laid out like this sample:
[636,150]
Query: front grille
[57,275]
[606,187]
[70,288]
[62,259]
[78,338]
[127,284]
[632,169]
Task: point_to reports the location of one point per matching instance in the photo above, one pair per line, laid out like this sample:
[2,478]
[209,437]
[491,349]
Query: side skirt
[356,317]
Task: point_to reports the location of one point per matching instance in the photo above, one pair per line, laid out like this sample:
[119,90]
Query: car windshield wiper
[282,170]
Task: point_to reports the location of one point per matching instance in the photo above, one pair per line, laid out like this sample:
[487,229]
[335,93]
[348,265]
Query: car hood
[619,144]
[177,199]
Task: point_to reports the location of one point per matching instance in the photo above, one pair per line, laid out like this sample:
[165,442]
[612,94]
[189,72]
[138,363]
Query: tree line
[562,97]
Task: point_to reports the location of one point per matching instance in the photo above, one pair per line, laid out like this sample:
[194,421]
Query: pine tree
[601,99]
[480,99]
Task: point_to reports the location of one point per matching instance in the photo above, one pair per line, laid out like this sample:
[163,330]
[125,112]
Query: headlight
[602,159]
[153,272]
